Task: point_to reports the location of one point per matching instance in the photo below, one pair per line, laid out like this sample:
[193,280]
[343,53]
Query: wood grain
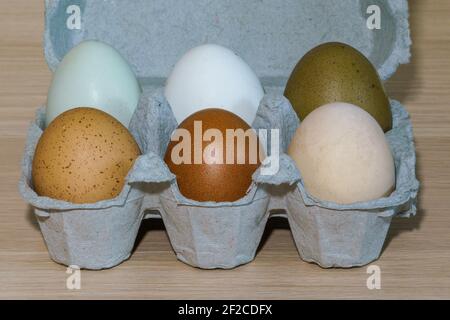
[415,262]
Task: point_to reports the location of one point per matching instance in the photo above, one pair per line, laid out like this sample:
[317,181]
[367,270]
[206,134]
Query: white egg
[93,74]
[211,76]
[343,155]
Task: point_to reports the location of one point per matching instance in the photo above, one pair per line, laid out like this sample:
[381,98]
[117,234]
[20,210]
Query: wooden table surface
[415,262]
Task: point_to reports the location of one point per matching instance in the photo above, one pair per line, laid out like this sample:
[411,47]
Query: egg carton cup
[91,236]
[335,235]
[207,235]
[327,233]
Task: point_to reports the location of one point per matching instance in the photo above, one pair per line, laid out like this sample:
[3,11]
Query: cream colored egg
[343,155]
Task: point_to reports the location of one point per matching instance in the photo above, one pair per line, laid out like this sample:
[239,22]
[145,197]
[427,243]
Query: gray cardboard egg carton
[271,36]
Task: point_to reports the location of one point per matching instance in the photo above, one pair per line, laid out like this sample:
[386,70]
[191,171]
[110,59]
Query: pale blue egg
[93,74]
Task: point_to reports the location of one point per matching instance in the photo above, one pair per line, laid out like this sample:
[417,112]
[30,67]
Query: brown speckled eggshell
[83,156]
[213,182]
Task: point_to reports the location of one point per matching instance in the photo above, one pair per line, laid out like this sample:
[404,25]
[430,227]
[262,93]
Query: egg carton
[223,235]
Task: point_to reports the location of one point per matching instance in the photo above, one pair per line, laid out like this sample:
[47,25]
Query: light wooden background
[415,262]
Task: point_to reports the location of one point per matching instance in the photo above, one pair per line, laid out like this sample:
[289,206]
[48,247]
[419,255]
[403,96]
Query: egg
[213,76]
[336,72]
[343,155]
[93,74]
[197,155]
[83,156]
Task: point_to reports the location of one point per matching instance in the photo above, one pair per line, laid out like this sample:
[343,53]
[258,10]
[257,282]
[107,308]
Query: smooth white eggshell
[343,155]
[211,76]
[93,74]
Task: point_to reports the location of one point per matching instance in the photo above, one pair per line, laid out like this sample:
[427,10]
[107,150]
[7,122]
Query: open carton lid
[271,36]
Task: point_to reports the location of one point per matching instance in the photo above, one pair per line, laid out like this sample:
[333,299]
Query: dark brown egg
[212,160]
[83,156]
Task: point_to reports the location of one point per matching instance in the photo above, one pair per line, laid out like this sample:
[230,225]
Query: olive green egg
[336,72]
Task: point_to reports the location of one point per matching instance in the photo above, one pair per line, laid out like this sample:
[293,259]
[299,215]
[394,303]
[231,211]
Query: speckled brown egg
[336,72]
[83,156]
[207,175]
